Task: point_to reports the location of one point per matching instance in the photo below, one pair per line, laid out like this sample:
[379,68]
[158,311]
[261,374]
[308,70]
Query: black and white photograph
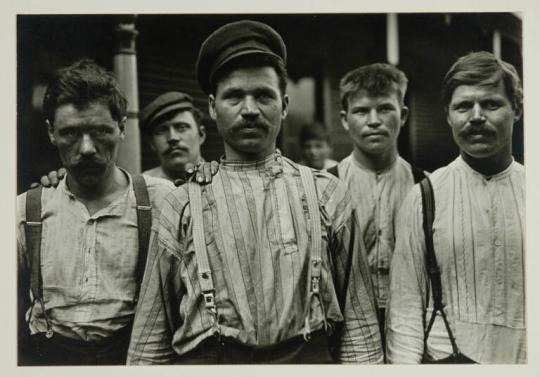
[272,187]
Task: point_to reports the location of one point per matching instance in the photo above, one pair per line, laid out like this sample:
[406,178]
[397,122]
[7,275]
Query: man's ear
[447,116]
[122,126]
[404,115]
[151,142]
[202,134]
[518,112]
[344,122]
[212,106]
[284,106]
[50,131]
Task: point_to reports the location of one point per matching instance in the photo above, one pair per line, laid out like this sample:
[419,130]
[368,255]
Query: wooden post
[125,68]
[392,38]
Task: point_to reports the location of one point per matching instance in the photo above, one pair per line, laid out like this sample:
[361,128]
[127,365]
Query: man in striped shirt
[477,230]
[373,112]
[255,294]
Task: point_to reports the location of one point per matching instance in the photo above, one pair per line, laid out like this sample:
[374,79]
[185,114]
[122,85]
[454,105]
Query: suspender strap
[418,174]
[203,265]
[144,224]
[333,170]
[315,227]
[32,229]
[315,265]
[428,205]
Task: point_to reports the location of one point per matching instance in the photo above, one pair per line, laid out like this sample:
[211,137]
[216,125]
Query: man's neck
[175,174]
[374,162]
[113,182]
[234,155]
[489,166]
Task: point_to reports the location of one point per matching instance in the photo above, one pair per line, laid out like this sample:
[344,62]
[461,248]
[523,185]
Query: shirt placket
[379,183]
[89,278]
[497,250]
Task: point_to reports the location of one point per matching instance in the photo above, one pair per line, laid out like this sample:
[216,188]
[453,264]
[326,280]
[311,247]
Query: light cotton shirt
[87,262]
[158,172]
[478,238]
[256,230]
[379,196]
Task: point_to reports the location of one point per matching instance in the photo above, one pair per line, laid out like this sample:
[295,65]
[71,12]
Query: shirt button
[90,221]
[379,232]
[86,279]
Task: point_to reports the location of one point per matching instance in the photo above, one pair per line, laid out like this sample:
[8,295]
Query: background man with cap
[173,127]
[267,260]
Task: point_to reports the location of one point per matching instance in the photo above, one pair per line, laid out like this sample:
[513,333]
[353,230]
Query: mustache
[475,130]
[89,163]
[173,148]
[256,123]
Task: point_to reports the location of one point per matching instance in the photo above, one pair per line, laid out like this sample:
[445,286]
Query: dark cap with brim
[234,40]
[165,103]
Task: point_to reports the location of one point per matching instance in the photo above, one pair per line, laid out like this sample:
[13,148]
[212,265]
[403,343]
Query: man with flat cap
[266,263]
[173,126]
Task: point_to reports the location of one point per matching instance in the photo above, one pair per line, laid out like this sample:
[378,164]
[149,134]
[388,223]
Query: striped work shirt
[256,232]
[158,172]
[478,237]
[379,196]
[87,261]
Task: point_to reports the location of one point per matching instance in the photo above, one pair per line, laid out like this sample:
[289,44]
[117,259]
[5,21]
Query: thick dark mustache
[90,164]
[174,148]
[474,130]
[251,124]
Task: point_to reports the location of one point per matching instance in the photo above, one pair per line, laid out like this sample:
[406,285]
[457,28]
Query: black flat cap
[232,41]
[165,103]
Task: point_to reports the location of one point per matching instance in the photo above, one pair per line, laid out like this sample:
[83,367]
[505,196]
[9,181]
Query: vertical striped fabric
[379,196]
[478,237]
[88,261]
[256,231]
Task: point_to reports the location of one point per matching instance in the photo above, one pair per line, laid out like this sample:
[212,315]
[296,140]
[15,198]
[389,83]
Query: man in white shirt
[477,230]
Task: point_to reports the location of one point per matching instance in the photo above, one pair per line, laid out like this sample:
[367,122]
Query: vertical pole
[392,38]
[497,43]
[125,68]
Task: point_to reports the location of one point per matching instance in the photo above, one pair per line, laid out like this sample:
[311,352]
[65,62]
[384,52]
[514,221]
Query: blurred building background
[152,54]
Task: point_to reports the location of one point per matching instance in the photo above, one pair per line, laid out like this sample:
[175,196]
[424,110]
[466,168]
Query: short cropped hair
[376,79]
[80,84]
[252,61]
[484,69]
[313,131]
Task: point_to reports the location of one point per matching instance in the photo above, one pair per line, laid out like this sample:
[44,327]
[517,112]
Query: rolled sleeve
[153,328]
